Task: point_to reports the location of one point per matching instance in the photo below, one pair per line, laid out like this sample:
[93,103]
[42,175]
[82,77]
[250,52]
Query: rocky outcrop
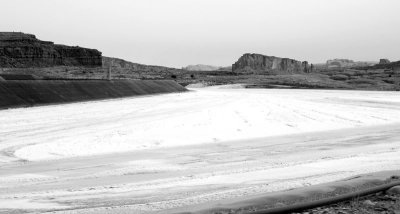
[269,64]
[25,50]
[384,61]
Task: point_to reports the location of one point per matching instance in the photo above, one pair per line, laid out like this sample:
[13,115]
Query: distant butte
[269,64]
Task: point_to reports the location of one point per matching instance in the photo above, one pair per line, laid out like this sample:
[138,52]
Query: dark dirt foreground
[379,203]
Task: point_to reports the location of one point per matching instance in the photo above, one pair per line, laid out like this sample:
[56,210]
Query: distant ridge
[117,63]
[347,63]
[201,67]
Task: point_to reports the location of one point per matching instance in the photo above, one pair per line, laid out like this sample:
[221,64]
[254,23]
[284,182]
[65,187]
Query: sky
[177,33]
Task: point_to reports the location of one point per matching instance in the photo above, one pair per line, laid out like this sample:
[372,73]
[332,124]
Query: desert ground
[156,154]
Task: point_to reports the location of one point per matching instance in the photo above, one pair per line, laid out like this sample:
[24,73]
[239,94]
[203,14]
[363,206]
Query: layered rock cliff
[269,64]
[25,50]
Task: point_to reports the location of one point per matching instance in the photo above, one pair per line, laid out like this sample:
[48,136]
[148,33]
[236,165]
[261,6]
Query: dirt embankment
[24,93]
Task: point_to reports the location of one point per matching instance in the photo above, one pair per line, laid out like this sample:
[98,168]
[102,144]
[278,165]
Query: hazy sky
[217,32]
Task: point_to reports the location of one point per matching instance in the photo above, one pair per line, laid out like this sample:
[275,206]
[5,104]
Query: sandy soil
[157,153]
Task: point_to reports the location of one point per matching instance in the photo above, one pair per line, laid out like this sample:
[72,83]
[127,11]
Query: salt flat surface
[153,153]
[205,116]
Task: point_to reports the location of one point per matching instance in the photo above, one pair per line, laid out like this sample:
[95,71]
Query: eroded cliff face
[25,50]
[269,64]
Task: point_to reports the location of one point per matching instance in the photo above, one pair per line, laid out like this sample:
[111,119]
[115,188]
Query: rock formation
[136,67]
[133,70]
[269,64]
[384,61]
[346,63]
[389,66]
[339,63]
[25,50]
